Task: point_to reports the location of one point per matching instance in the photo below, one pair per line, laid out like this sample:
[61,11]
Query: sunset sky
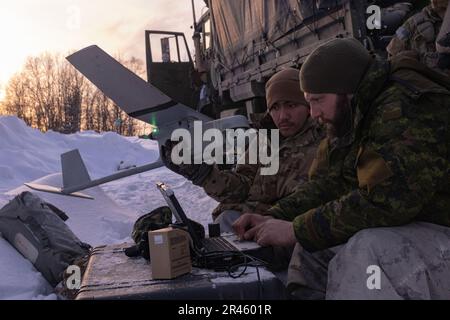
[29,27]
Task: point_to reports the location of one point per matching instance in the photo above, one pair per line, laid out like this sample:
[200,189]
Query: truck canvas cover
[243,27]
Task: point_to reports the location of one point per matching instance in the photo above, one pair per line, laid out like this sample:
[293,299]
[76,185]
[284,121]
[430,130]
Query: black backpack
[38,231]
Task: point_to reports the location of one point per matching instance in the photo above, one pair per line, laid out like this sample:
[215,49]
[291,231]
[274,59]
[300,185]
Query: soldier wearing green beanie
[378,194]
[340,74]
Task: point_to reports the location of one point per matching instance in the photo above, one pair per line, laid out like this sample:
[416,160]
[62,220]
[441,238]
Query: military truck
[240,44]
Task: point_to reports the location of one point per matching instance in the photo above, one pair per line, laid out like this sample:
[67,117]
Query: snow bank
[28,155]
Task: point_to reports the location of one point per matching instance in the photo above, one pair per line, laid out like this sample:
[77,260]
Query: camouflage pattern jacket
[390,170]
[418,36]
[246,190]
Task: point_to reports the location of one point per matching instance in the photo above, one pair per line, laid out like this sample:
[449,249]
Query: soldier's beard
[341,124]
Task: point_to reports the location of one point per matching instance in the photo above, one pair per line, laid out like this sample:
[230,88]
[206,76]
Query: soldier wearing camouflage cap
[419,33]
[245,188]
[384,164]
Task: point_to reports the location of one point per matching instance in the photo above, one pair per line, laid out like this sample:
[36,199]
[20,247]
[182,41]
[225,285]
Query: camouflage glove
[196,173]
[159,218]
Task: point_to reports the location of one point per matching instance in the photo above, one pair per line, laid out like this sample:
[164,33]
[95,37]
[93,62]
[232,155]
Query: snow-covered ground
[28,155]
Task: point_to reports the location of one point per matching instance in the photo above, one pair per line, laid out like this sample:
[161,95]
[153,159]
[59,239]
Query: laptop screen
[178,212]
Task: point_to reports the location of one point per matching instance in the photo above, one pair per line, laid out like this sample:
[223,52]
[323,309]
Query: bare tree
[70,96]
[49,94]
[15,101]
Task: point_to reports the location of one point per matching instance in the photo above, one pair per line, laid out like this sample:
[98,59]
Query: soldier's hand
[246,223]
[197,173]
[274,232]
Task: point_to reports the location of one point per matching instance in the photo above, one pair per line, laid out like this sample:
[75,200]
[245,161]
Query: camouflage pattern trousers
[408,262]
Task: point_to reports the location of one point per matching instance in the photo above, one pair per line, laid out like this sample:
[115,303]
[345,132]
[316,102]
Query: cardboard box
[169,253]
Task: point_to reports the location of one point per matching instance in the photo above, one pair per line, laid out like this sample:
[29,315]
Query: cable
[230,268]
[218,260]
[260,287]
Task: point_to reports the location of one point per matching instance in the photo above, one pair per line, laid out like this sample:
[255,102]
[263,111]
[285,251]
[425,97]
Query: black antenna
[193,13]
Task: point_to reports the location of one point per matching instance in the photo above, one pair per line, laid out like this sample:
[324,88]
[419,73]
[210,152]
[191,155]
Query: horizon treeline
[48,93]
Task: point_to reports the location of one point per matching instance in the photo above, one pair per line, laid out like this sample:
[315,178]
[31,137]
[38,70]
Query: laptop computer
[227,243]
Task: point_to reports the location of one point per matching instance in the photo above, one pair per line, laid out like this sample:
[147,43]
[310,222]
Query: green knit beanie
[337,66]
